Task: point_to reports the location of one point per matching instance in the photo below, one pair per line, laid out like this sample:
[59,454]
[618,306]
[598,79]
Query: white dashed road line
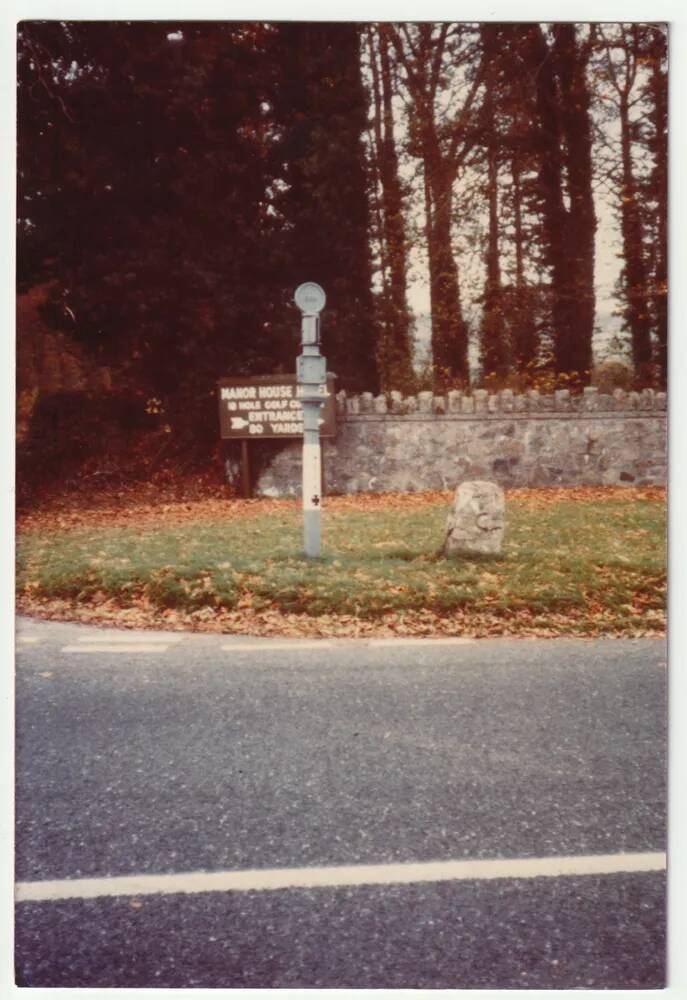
[400,641]
[340,875]
[139,642]
[135,643]
[265,647]
[131,637]
[117,647]
[295,644]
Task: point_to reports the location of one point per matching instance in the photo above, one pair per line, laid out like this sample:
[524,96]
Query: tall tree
[571,53]
[321,111]
[394,351]
[521,307]
[510,141]
[623,51]
[442,134]
[143,194]
[656,52]
[558,70]
[494,346]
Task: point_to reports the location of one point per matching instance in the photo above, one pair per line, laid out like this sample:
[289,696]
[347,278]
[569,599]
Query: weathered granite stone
[492,404]
[454,400]
[480,398]
[353,404]
[646,399]
[366,402]
[533,399]
[562,399]
[506,400]
[424,402]
[467,404]
[439,404]
[476,522]
[396,401]
[590,397]
[379,404]
[341,401]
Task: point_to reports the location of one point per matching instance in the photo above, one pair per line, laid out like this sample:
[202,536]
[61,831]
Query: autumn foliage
[585,561]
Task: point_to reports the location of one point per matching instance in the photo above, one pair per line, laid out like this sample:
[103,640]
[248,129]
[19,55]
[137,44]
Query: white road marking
[134,642]
[263,647]
[340,875]
[401,641]
[130,637]
[116,647]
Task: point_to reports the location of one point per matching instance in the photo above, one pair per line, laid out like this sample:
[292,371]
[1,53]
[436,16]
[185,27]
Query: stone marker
[475,525]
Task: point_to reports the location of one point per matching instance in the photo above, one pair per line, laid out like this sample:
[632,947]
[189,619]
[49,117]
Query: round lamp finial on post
[310,298]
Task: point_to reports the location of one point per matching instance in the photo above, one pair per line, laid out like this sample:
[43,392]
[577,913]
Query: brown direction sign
[267,406]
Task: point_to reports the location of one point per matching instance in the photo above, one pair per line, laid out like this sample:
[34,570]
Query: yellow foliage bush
[612,373]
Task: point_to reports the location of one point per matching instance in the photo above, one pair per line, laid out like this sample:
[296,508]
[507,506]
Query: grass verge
[578,563]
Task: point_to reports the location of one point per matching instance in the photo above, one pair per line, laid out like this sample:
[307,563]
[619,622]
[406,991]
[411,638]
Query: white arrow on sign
[237,423]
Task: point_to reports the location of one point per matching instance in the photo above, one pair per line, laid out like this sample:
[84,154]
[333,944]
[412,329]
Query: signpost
[284,406]
[311,371]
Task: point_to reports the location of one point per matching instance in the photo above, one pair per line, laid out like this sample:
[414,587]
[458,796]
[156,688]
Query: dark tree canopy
[153,161]
[321,109]
[177,181]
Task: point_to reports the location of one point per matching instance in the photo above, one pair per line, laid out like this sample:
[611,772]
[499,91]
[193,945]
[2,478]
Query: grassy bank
[584,562]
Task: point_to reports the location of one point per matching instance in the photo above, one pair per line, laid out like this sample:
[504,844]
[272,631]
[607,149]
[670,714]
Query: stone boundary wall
[505,401]
[391,442]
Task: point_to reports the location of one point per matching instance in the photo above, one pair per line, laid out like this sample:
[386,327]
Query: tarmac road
[168,754]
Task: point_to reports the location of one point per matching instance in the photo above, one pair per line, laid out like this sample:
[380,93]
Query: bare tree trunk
[517,224]
[551,184]
[442,140]
[575,99]
[493,341]
[376,158]
[562,102]
[399,368]
[658,89]
[523,332]
[494,349]
[449,330]
[634,274]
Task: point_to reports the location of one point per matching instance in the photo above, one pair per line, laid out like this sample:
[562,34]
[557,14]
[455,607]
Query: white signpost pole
[311,376]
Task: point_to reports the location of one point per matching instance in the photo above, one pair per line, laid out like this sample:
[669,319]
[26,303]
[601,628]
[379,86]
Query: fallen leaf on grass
[577,620]
[149,503]
[485,618]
